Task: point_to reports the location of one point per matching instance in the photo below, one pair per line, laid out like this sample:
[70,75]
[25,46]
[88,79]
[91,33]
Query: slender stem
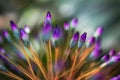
[39,63]
[66,72]
[50,63]
[28,61]
[89,73]
[56,56]
[73,65]
[47,55]
[11,75]
[64,60]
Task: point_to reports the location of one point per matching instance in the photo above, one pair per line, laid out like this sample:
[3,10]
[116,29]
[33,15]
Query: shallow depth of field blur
[91,14]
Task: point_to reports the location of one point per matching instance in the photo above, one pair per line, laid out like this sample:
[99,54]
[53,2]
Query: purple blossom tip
[6,34]
[66,25]
[48,16]
[83,37]
[23,34]
[47,19]
[47,28]
[112,52]
[116,78]
[74,40]
[27,29]
[56,33]
[105,58]
[74,22]
[91,41]
[115,59]
[2,50]
[98,32]
[95,54]
[13,25]
[75,36]
[98,44]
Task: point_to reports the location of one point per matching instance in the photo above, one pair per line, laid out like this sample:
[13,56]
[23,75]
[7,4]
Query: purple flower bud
[98,32]
[24,37]
[47,28]
[83,37]
[112,52]
[26,29]
[115,59]
[75,36]
[2,50]
[82,40]
[13,26]
[105,58]
[95,54]
[74,22]
[47,18]
[46,32]
[23,34]
[14,29]
[74,39]
[98,44]
[116,78]
[6,35]
[66,25]
[91,41]
[56,33]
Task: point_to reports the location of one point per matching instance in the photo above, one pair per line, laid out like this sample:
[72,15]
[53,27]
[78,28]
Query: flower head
[62,60]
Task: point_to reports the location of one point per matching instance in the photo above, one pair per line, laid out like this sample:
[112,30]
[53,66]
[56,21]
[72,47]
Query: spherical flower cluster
[63,53]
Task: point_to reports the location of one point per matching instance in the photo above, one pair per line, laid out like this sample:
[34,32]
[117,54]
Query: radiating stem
[89,73]
[50,63]
[28,61]
[73,65]
[11,75]
[64,60]
[39,63]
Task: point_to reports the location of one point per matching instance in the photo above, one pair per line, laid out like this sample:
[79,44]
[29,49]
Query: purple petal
[47,28]
[83,37]
[6,34]
[2,50]
[98,44]
[91,41]
[75,36]
[47,18]
[56,33]
[95,54]
[66,25]
[116,78]
[27,29]
[112,52]
[13,26]
[115,59]
[23,34]
[105,58]
[98,32]
[74,22]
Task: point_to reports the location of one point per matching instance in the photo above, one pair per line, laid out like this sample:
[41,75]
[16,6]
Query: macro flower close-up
[56,47]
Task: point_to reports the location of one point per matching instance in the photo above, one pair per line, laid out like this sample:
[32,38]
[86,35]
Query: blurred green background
[91,14]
